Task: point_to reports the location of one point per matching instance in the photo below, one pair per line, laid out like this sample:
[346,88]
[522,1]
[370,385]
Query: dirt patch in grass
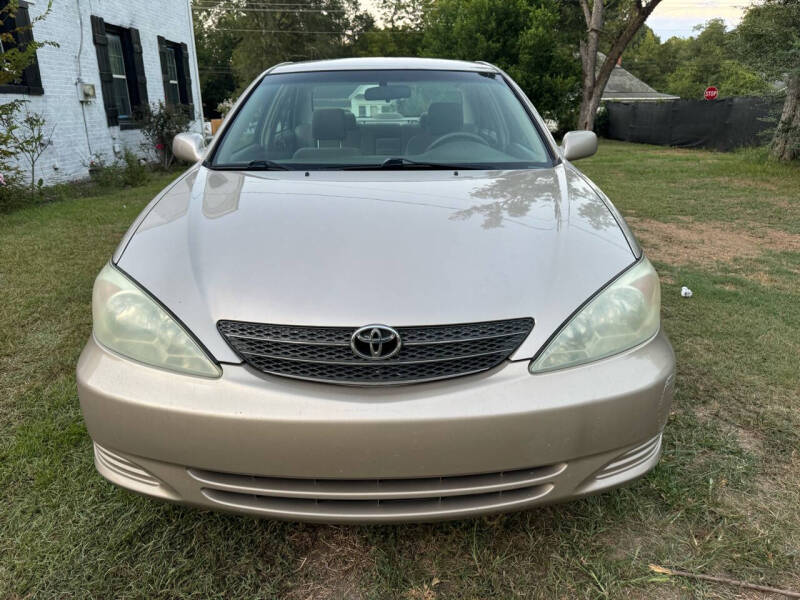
[332,564]
[705,243]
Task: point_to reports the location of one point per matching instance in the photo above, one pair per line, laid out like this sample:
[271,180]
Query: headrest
[350,120]
[445,117]
[423,120]
[328,124]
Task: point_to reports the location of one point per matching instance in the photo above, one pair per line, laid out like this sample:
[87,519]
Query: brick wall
[68,156]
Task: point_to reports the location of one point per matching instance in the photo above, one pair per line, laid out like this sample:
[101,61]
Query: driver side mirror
[189,147]
[579,144]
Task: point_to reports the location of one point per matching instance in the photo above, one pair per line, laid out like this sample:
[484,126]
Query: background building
[112,56]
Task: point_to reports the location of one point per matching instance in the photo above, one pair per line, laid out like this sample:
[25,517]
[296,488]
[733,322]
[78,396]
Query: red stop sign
[711,93]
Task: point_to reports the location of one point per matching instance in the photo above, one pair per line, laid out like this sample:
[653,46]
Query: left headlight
[131,323]
[623,315]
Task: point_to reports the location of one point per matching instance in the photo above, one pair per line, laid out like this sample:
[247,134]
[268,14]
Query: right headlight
[625,314]
[131,323]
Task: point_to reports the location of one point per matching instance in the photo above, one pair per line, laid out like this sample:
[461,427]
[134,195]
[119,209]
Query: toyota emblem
[375,342]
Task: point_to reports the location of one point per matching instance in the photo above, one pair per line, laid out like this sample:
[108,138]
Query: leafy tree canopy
[523,37]
[686,67]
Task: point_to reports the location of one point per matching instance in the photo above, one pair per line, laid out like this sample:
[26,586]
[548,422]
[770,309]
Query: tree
[769,38]
[629,16]
[526,38]
[710,59]
[30,137]
[401,34]
[14,59]
[320,29]
[648,59]
[215,38]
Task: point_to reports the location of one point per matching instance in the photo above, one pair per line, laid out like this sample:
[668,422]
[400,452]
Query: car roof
[355,64]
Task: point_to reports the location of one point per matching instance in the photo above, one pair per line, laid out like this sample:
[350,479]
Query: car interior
[365,123]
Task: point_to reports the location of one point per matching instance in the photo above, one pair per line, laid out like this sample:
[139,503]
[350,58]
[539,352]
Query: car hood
[349,248]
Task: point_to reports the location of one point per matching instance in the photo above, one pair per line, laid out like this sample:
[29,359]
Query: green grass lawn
[724,500]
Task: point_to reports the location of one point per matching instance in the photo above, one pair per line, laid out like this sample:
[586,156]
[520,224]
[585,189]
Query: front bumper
[279,448]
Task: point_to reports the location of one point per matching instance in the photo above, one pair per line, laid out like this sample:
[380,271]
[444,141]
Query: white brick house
[131,51]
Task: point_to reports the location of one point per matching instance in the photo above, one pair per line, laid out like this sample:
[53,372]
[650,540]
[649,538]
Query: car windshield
[381,119]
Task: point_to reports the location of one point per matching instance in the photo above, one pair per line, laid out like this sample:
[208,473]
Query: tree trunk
[588,51]
[786,142]
[594,81]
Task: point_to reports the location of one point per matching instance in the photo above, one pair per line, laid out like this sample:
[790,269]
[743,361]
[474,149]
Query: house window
[16,32]
[122,98]
[121,69]
[172,87]
[175,72]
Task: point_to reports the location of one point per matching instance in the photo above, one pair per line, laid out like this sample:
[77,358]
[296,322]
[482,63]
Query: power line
[296,8]
[213,4]
[301,32]
[268,10]
[282,31]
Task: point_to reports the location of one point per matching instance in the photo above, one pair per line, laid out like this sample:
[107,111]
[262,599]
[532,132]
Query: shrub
[160,123]
[135,171]
[12,192]
[130,171]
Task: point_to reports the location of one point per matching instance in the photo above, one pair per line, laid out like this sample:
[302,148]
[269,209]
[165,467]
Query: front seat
[328,130]
[442,118]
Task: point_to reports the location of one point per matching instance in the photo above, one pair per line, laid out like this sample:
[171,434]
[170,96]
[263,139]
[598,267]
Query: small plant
[135,171]
[29,137]
[11,193]
[8,153]
[129,171]
[160,123]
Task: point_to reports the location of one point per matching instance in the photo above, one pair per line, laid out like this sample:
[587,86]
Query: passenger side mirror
[189,147]
[579,144]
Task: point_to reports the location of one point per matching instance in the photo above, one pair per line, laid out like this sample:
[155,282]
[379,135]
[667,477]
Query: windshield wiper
[267,165]
[253,165]
[400,162]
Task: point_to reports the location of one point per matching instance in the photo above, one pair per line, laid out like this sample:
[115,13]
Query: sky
[678,17]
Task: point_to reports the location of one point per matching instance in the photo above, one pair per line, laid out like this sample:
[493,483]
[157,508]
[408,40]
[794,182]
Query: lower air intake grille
[325,353]
[379,499]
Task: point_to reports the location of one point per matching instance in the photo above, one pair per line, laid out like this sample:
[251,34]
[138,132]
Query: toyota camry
[382,292]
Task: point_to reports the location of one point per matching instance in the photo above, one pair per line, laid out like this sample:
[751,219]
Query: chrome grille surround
[324,354]
[379,499]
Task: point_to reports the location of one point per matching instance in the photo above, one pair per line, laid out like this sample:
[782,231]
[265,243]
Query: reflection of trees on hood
[597,215]
[594,211]
[512,196]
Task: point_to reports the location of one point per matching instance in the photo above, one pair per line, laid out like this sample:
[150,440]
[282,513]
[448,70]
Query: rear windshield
[352,119]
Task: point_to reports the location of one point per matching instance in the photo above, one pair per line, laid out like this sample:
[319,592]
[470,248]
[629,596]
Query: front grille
[380,499]
[324,353]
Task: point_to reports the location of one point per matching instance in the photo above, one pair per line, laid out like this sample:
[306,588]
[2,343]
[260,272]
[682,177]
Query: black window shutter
[104,66]
[162,53]
[138,69]
[30,76]
[186,91]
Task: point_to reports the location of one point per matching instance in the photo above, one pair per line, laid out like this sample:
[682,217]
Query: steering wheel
[450,137]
